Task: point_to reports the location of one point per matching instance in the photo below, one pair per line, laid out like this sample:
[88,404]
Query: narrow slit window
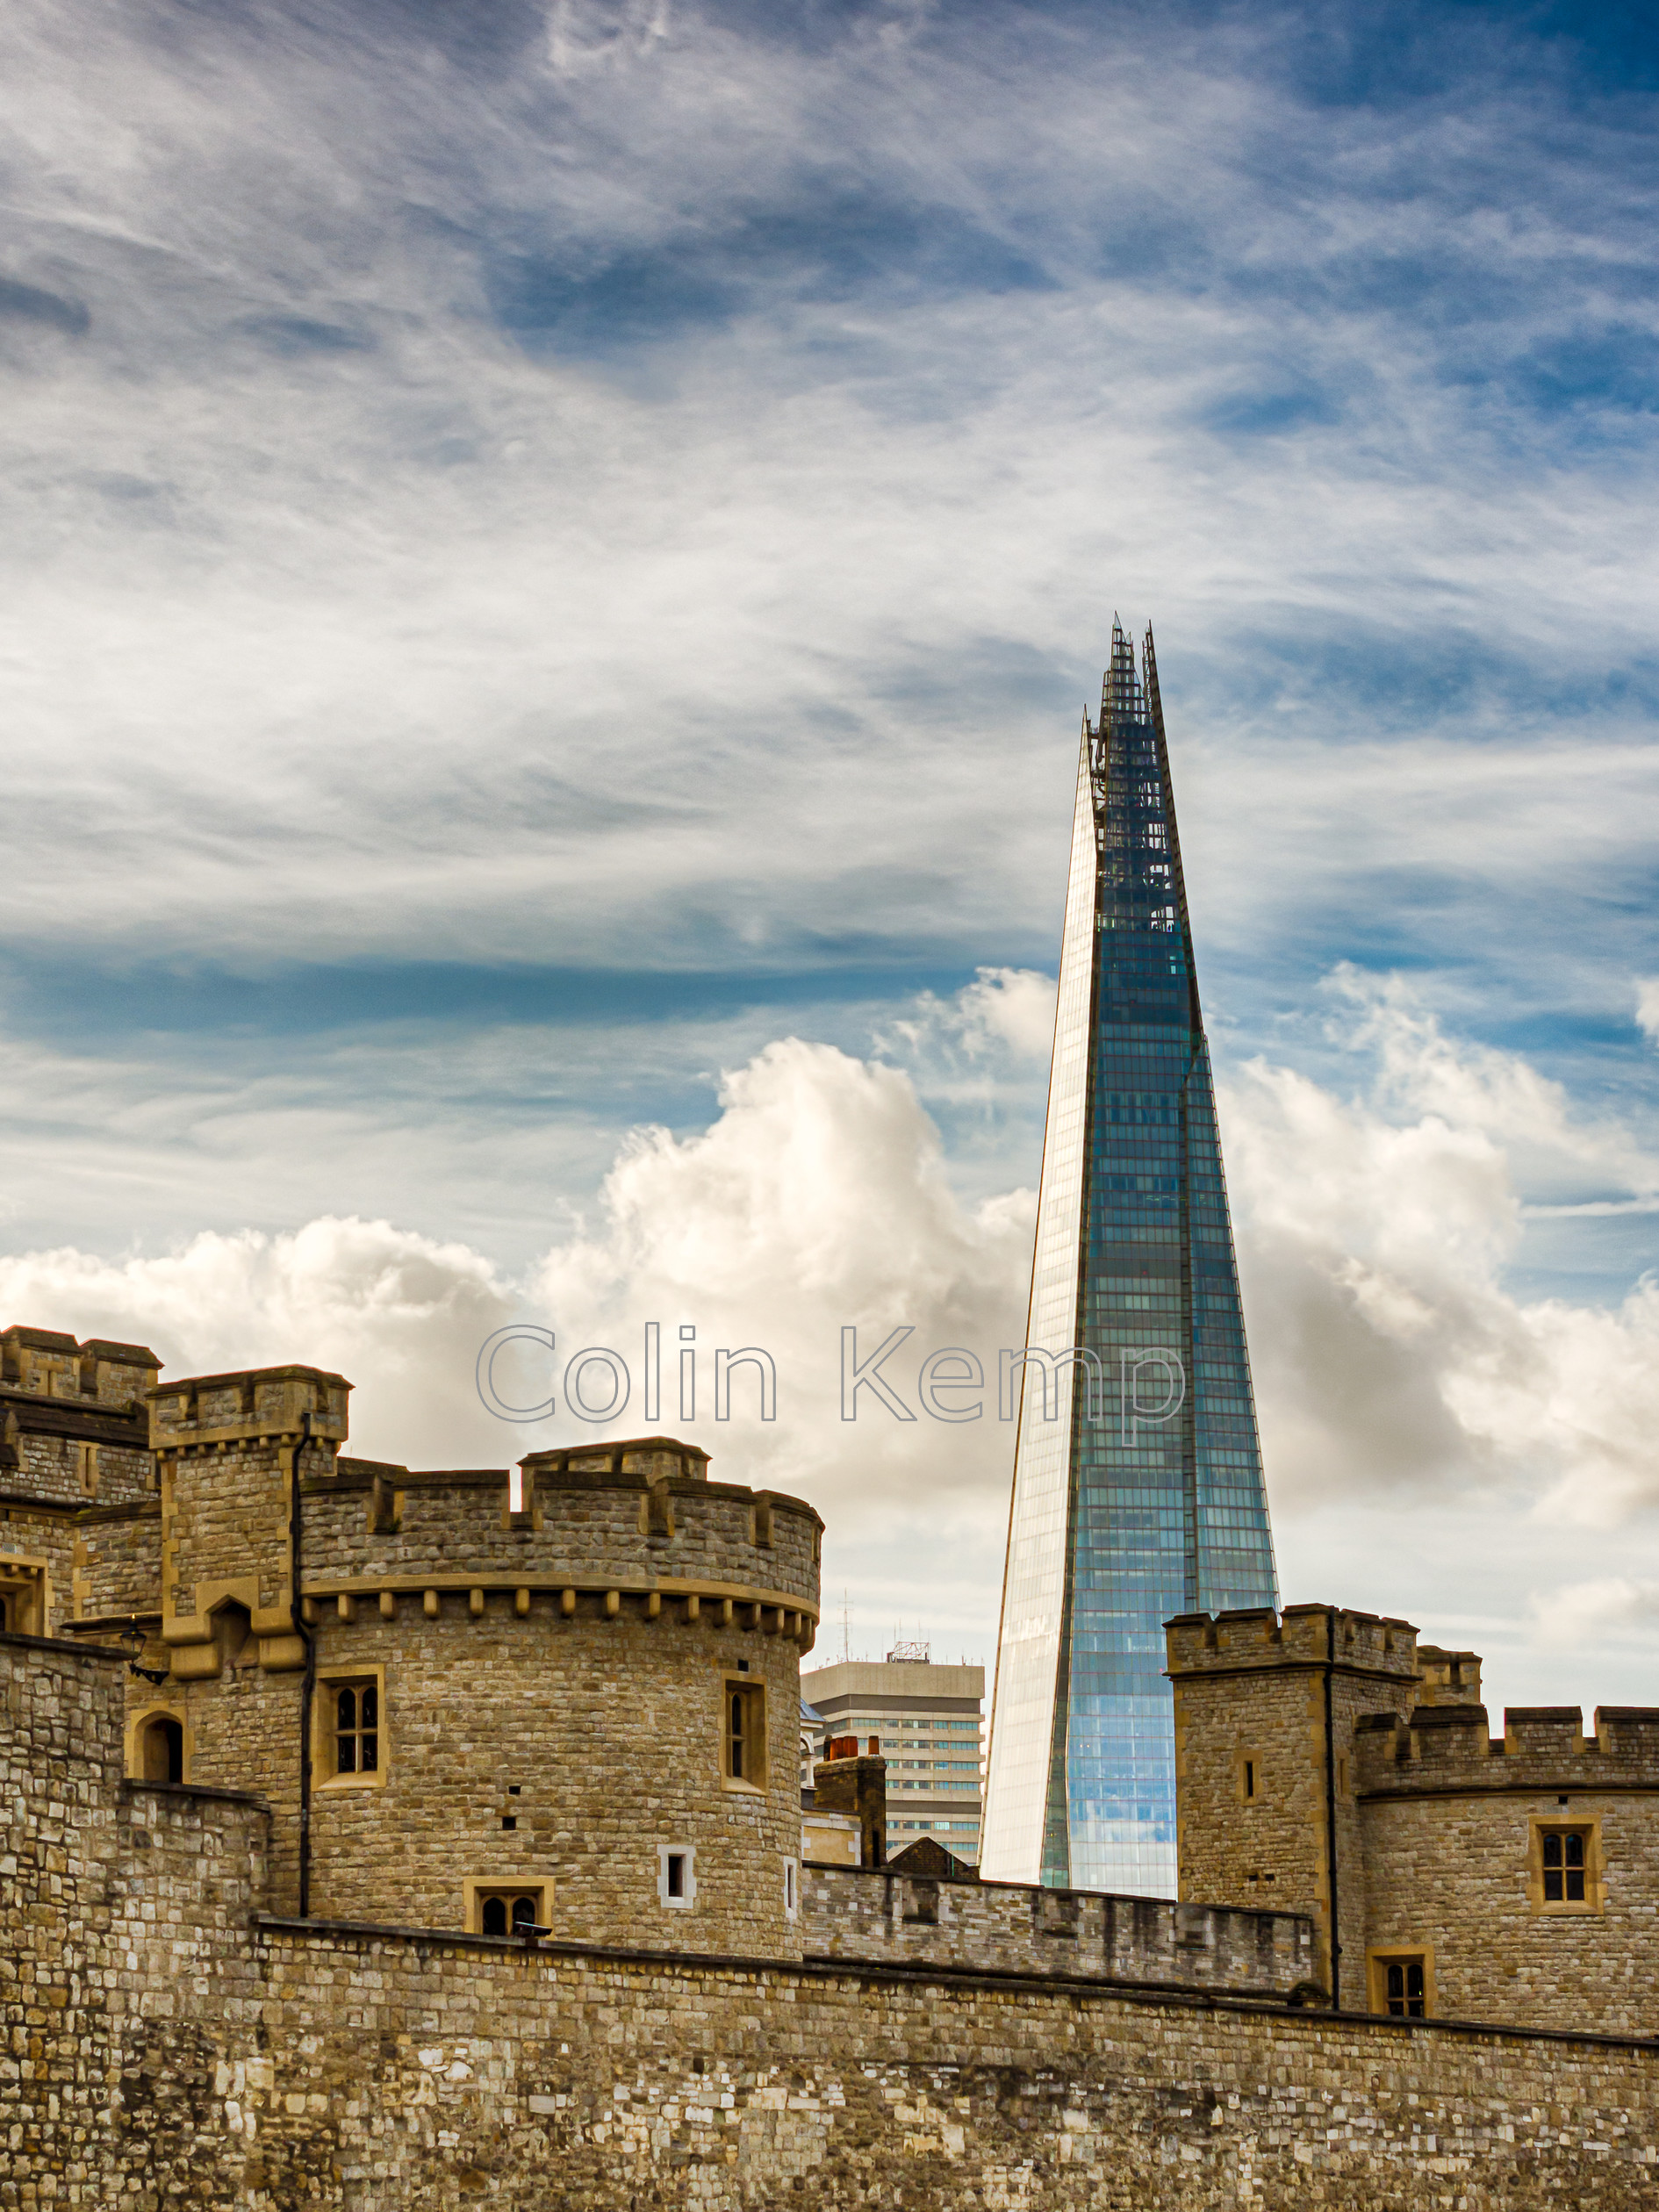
[1250,1778]
[676,1876]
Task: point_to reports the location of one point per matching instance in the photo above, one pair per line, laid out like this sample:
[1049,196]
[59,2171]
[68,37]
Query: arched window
[508,1912]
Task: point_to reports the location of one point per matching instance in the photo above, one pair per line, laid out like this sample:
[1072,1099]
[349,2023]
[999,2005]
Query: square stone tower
[1266,1706]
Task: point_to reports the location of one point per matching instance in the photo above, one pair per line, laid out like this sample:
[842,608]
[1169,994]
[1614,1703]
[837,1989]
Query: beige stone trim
[196,1628]
[28,1575]
[1585,1824]
[323,1748]
[771,1612]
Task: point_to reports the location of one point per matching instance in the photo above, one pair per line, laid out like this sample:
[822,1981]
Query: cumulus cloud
[1402,1382]
[817,1199]
[1376,1231]
[401,1316]
[1005,1014]
[816,1202]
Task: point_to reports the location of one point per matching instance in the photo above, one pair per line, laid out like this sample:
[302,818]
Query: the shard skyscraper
[1137,1485]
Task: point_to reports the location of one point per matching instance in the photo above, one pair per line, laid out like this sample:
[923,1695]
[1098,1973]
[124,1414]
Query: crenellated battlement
[635,1526]
[1448,1677]
[1543,1749]
[1301,1636]
[99,1372]
[208,1413]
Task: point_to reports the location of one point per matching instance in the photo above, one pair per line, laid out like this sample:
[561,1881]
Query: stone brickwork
[598,1735]
[116,1567]
[551,1672]
[581,1691]
[1439,1829]
[166,2045]
[72,1418]
[1265,1710]
[126,1913]
[926,1920]
[1453,1821]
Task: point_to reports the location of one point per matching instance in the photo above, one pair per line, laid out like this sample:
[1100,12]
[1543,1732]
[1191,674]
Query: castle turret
[564,1698]
[1265,1710]
[569,1700]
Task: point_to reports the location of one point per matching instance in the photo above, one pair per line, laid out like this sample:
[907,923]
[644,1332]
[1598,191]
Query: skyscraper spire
[1137,1484]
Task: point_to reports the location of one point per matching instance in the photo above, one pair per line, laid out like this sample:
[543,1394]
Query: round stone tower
[569,1700]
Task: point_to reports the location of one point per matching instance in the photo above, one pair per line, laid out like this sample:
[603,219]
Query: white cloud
[1403,1385]
[401,1316]
[816,1201]
[1005,1014]
[1647,1004]
[1589,1612]
[1376,1234]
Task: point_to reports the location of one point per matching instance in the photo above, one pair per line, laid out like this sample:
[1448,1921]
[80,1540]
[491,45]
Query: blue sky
[550,552]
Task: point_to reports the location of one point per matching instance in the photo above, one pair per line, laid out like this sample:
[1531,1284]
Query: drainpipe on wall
[1330,1808]
[308,1680]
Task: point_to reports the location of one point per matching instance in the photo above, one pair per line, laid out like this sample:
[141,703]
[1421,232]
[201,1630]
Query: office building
[927,1723]
[1138,1483]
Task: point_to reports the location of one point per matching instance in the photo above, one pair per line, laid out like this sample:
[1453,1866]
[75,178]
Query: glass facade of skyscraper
[1138,1491]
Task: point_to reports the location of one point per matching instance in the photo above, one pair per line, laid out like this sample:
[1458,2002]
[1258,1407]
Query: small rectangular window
[677,1876]
[1564,1857]
[1250,1778]
[356,1728]
[1402,1984]
[745,1727]
[1405,1987]
[792,1896]
[348,1723]
[23,1596]
[514,1908]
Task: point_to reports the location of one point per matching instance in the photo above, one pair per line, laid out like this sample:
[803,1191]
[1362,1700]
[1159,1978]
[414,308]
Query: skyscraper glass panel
[1137,1484]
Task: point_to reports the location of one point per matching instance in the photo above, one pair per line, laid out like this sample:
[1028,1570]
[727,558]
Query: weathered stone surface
[166,2045]
[1364,1749]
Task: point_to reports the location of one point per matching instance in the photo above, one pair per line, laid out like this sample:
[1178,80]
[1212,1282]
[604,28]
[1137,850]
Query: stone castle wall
[126,1913]
[608,1528]
[598,1735]
[116,1572]
[550,1671]
[1250,1697]
[858,1913]
[1439,1827]
[167,2043]
[1454,1819]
